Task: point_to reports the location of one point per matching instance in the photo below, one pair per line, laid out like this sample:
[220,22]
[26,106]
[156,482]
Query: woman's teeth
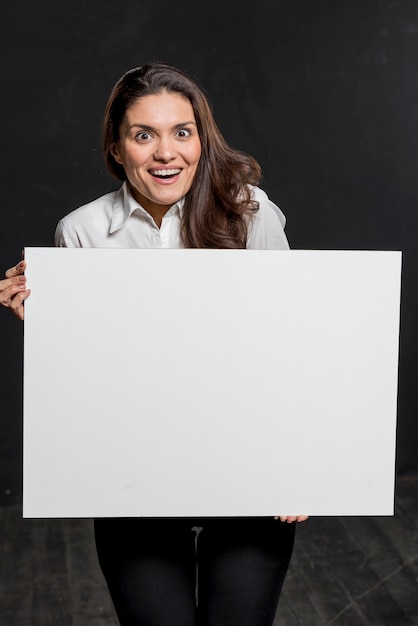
[165,173]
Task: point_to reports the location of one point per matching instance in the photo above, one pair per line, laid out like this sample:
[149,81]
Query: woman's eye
[183,133]
[143,136]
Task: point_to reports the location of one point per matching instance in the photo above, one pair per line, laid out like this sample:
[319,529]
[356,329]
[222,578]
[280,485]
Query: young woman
[183,186]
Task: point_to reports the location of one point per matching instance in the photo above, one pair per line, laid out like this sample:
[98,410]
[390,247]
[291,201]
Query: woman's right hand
[13,290]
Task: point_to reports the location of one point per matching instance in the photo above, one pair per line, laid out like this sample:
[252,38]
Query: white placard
[210,382]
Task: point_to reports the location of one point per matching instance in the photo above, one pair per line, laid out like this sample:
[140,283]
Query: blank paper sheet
[210,382]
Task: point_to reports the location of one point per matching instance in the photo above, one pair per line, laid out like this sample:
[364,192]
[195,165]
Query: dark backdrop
[323,93]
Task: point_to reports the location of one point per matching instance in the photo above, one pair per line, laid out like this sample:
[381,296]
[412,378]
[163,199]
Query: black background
[323,93]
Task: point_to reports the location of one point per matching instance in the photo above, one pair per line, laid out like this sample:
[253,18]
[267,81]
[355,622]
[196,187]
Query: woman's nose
[165,150]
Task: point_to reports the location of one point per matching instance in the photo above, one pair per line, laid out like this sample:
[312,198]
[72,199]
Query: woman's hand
[13,290]
[292,518]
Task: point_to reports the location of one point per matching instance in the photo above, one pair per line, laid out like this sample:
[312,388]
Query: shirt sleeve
[63,238]
[266,229]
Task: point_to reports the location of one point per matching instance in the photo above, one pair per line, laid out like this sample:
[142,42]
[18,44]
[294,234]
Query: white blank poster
[210,382]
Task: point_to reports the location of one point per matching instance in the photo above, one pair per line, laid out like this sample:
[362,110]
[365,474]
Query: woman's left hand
[292,518]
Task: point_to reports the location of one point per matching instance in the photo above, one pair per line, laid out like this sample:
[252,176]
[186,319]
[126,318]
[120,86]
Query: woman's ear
[115,153]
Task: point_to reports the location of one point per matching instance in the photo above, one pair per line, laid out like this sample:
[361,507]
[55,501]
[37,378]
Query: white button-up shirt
[117,220]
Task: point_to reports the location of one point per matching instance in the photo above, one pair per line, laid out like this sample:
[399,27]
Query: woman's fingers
[13,290]
[16,304]
[16,270]
[292,518]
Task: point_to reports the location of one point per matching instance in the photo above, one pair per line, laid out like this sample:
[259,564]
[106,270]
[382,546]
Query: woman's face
[159,148]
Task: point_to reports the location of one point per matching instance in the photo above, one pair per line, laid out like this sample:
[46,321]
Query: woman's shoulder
[93,217]
[266,206]
[100,205]
[258,193]
[267,227]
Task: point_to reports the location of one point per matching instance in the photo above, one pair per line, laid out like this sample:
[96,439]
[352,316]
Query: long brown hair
[219,204]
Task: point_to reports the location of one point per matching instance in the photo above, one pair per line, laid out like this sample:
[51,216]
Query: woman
[183,186]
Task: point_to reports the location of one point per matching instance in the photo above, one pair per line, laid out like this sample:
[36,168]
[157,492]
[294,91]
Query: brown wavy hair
[219,204]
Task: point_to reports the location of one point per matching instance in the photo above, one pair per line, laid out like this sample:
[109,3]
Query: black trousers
[189,572]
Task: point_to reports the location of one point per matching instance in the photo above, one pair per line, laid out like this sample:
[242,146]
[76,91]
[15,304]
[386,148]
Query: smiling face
[159,148]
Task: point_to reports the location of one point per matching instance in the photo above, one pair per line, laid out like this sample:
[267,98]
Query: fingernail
[22,279]
[21,264]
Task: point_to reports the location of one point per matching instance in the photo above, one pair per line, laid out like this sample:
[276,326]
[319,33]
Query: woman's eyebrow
[183,124]
[154,130]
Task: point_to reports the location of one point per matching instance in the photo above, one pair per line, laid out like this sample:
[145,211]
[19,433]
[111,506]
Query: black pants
[156,569]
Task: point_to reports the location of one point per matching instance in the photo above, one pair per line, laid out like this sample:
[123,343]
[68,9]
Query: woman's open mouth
[165,174]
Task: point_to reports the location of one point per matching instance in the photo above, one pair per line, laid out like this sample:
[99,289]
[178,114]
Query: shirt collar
[125,204]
